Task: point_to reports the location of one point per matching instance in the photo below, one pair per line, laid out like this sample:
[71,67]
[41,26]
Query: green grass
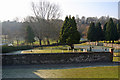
[54,47]
[83,44]
[51,42]
[35,43]
[49,51]
[91,72]
[116,54]
[115,59]
[19,43]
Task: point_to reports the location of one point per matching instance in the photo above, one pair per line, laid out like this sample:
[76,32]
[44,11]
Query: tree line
[45,25]
[109,32]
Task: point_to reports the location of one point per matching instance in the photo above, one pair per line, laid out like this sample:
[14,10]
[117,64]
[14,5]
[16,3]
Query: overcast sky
[10,9]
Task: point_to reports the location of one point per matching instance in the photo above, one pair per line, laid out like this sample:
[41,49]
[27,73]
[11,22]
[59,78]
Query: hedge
[7,49]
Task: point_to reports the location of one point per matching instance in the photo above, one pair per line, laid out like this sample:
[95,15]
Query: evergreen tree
[62,36]
[104,30]
[118,29]
[69,34]
[29,35]
[111,31]
[98,32]
[91,32]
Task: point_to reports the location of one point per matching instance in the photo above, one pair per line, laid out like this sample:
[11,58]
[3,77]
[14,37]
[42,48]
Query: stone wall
[54,58]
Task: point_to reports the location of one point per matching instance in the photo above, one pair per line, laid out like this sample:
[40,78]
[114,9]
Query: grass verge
[91,72]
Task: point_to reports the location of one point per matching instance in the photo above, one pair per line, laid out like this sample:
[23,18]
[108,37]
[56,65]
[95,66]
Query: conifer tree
[98,32]
[104,30]
[69,34]
[118,29]
[91,32]
[111,31]
[62,36]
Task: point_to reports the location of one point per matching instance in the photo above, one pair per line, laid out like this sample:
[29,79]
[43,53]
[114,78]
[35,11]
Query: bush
[7,49]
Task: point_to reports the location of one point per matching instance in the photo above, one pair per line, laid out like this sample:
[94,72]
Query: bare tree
[44,12]
[38,27]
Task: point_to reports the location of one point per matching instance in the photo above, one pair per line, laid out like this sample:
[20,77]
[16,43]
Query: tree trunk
[5,38]
[90,48]
[104,41]
[57,41]
[32,44]
[72,46]
[17,43]
[44,42]
[48,42]
[40,42]
[113,41]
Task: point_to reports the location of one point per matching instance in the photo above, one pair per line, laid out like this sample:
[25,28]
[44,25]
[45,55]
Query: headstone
[62,51]
[84,50]
[73,50]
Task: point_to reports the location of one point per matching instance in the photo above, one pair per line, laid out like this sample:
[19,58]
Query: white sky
[10,9]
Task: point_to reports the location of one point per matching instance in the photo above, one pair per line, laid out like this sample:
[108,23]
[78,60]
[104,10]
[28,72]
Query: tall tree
[62,36]
[99,33]
[104,30]
[111,31]
[69,34]
[91,32]
[118,29]
[29,35]
[44,12]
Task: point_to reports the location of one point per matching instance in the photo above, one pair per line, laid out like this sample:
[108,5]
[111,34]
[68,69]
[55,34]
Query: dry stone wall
[56,58]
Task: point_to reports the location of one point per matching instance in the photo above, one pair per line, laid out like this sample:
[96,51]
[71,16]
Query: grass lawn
[55,47]
[117,54]
[51,49]
[116,59]
[48,51]
[83,44]
[91,72]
